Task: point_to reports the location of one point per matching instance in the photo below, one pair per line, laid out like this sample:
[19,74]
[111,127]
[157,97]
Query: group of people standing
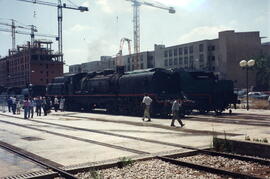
[176,108]
[37,104]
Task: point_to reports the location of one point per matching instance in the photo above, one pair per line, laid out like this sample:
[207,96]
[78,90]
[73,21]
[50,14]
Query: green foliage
[262,68]
[247,138]
[222,145]
[264,140]
[125,161]
[95,174]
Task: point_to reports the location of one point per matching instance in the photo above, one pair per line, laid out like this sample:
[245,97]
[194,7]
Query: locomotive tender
[118,92]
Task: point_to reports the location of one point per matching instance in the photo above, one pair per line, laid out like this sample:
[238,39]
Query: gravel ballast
[150,169]
[234,165]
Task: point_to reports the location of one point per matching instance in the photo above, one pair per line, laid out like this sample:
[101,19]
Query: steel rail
[19,152]
[208,169]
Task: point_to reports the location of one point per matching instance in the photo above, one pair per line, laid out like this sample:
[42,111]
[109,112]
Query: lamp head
[251,63]
[243,63]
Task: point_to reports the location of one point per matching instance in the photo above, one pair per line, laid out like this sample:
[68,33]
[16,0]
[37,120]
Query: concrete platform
[70,138]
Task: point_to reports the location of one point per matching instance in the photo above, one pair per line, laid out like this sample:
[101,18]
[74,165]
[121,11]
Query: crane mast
[13,31]
[136,24]
[119,60]
[60,7]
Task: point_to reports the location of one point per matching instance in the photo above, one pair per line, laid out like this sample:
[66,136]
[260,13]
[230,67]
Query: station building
[34,64]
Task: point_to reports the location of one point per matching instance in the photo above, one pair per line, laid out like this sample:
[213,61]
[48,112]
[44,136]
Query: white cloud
[202,33]
[86,4]
[105,6]
[114,6]
[187,4]
[80,28]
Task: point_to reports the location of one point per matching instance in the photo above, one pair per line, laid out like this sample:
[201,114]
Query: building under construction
[35,64]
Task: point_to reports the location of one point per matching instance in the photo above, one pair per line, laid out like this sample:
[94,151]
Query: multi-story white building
[221,55]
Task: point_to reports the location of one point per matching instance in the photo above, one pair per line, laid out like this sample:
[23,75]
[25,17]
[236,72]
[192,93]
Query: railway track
[176,159]
[141,153]
[49,165]
[100,132]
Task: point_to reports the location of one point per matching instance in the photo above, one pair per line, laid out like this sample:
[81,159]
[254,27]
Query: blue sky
[89,35]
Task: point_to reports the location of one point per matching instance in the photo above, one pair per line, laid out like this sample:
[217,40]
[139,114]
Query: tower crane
[60,7]
[119,60]
[31,34]
[13,31]
[136,23]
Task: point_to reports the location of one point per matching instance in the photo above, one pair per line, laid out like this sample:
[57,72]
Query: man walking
[147,103]
[177,104]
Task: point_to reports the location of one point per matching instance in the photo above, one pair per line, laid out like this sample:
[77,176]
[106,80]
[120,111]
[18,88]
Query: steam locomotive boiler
[117,92]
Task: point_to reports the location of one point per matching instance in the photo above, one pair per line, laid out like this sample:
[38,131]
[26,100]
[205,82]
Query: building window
[128,68]
[201,47]
[141,57]
[180,61]
[186,61]
[180,50]
[166,62]
[175,52]
[191,49]
[170,53]
[211,48]
[185,50]
[141,65]
[128,60]
[166,53]
[175,61]
[191,62]
[201,58]
[170,61]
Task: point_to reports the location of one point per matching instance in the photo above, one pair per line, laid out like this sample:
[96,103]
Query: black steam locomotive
[118,92]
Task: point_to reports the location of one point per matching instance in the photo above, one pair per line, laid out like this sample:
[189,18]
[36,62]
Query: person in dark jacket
[26,107]
[44,106]
[38,105]
[9,103]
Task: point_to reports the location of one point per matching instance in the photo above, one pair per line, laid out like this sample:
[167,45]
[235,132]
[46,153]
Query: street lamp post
[246,65]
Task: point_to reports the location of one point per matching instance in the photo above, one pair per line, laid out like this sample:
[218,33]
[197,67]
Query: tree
[262,68]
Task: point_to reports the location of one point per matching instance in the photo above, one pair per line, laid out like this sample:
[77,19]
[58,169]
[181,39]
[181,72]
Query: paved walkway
[70,138]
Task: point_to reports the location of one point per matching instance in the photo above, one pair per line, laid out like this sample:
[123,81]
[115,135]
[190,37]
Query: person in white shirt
[177,104]
[147,103]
